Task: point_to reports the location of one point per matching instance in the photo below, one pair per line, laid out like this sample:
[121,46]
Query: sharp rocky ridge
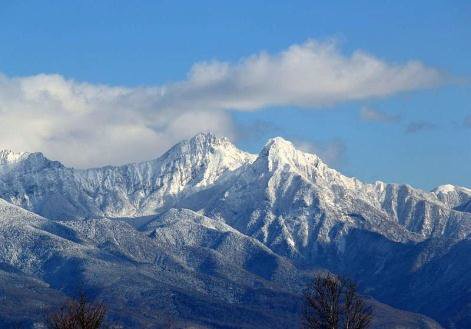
[274,216]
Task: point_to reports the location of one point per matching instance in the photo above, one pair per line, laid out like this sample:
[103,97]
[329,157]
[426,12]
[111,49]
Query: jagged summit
[204,138]
[9,156]
[279,143]
[444,188]
[455,197]
[280,152]
[204,144]
[25,161]
[449,188]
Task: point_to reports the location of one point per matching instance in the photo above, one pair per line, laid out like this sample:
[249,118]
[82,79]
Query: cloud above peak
[309,75]
[86,124]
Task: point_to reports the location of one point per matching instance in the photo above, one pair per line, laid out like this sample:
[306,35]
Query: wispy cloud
[332,152]
[86,124]
[417,126]
[372,115]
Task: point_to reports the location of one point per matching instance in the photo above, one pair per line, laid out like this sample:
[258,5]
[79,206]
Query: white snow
[286,198]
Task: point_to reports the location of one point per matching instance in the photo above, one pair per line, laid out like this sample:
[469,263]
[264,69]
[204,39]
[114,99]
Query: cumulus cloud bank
[86,124]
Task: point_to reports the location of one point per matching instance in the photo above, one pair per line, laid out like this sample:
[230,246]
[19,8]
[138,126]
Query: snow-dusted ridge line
[284,197]
[8,156]
[283,146]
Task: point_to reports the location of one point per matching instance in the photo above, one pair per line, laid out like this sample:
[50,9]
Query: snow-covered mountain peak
[279,142]
[444,188]
[279,153]
[204,138]
[205,142]
[204,158]
[282,155]
[279,146]
[25,161]
[206,145]
[9,156]
[449,188]
[454,196]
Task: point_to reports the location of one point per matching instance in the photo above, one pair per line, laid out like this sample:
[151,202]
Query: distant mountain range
[215,237]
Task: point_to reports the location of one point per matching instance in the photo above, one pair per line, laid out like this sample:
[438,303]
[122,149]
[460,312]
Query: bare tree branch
[333,303]
[78,314]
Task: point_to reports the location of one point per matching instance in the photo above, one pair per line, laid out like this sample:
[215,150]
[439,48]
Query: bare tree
[78,314]
[333,303]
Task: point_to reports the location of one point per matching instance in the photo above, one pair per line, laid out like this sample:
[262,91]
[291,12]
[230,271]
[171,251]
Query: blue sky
[419,135]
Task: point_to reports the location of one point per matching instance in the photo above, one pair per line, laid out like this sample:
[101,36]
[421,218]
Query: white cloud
[86,124]
[307,75]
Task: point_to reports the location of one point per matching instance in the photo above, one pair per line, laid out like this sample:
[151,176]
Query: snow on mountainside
[48,188]
[8,157]
[144,188]
[29,241]
[285,198]
[187,232]
[291,201]
[206,216]
[180,265]
[455,197]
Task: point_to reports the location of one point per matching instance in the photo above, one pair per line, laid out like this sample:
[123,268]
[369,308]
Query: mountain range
[210,236]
